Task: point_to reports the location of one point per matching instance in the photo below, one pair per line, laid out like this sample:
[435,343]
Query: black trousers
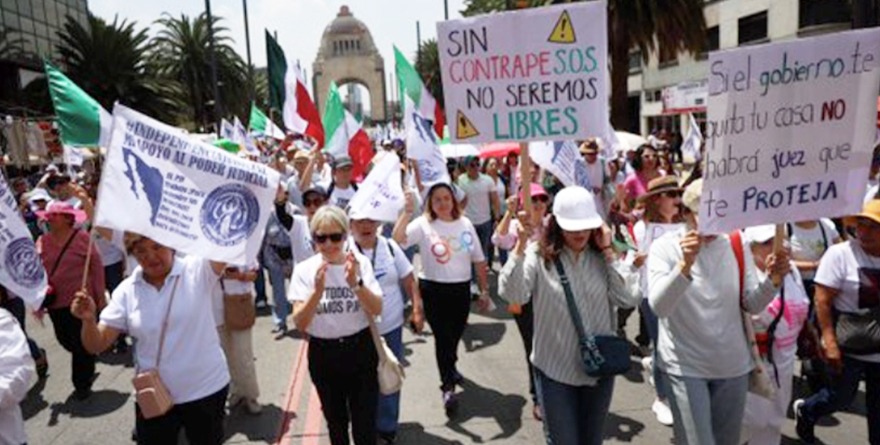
[15,306]
[447,306]
[68,330]
[525,323]
[343,371]
[201,421]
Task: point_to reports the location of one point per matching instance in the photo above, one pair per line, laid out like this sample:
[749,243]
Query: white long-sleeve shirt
[17,373]
[701,332]
[598,288]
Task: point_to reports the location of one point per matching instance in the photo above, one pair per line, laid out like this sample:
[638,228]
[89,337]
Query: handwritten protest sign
[183,193]
[531,75]
[21,268]
[789,130]
[380,197]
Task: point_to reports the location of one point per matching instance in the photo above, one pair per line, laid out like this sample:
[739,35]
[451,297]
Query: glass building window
[752,28]
[821,12]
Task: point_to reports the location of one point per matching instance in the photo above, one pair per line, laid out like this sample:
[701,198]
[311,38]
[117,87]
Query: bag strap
[63,249]
[377,339]
[572,307]
[737,246]
[165,322]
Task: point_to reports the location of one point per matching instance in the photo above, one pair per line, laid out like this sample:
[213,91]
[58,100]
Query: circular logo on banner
[23,263]
[229,214]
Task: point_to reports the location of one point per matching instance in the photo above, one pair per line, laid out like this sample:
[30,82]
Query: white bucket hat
[575,209]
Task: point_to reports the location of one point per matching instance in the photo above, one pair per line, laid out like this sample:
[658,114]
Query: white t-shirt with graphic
[808,244]
[339,312]
[856,275]
[300,239]
[340,196]
[389,270]
[447,248]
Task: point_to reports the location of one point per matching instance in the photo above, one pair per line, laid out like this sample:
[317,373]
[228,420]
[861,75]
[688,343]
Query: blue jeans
[280,305]
[843,389]
[661,385]
[389,406]
[574,415]
[707,411]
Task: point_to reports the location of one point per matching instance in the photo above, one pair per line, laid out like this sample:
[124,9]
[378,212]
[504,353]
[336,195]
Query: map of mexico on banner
[380,196]
[180,192]
[530,75]
[21,268]
[563,160]
[789,130]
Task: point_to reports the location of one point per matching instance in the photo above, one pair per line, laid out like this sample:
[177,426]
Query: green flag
[260,123]
[81,120]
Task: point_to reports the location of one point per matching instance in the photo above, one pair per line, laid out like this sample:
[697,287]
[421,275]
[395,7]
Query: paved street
[495,405]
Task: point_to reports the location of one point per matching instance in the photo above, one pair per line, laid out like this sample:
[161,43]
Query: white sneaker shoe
[648,367]
[662,411]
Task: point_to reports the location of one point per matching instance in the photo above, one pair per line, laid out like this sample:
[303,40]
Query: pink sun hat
[62,208]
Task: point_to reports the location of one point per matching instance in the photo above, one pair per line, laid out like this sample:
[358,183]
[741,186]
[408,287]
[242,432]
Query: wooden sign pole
[525,176]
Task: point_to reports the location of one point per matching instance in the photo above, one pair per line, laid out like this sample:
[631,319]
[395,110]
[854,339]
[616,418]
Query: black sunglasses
[334,237]
[312,202]
[672,195]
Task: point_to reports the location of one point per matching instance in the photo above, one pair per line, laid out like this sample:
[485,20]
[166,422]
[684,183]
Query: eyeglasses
[672,195]
[322,238]
[313,202]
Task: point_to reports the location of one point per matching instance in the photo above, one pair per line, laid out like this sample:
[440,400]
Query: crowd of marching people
[726,322]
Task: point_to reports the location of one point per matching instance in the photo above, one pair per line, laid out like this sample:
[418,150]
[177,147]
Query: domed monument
[348,54]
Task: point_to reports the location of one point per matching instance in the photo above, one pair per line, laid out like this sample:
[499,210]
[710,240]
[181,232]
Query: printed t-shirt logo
[443,247]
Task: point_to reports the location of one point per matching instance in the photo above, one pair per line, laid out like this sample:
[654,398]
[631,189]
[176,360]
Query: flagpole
[247,39]
[525,177]
[213,57]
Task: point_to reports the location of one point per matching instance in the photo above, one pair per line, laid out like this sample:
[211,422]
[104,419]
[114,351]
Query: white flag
[184,193]
[563,160]
[694,140]
[227,130]
[21,268]
[609,142]
[380,196]
[421,141]
[243,138]
[73,156]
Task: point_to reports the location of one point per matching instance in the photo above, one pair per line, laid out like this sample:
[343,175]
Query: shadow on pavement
[34,402]
[634,374]
[412,433]
[482,335]
[100,403]
[261,427]
[622,429]
[480,402]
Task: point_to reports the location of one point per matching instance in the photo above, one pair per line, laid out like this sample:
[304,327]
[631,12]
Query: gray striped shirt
[598,288]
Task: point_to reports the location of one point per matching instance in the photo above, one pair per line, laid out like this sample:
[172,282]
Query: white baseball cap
[575,209]
[759,234]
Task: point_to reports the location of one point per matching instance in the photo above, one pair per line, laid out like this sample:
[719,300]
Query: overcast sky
[300,23]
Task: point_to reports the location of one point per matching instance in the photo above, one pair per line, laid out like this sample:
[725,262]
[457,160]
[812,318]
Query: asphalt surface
[495,403]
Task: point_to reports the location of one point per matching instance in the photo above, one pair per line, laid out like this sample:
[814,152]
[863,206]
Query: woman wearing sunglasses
[449,246]
[661,203]
[333,294]
[297,225]
[505,237]
[647,167]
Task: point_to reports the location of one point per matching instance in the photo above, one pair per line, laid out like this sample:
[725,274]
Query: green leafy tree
[181,54]
[428,67]
[649,25]
[109,61]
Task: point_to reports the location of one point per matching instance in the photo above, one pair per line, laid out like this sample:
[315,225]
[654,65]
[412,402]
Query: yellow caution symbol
[563,32]
[464,128]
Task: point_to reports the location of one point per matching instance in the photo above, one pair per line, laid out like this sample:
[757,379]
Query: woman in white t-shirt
[847,284]
[395,274]
[809,241]
[333,294]
[449,246]
[777,329]
[191,365]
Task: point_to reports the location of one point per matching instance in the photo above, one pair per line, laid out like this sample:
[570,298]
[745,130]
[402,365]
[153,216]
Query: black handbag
[602,355]
[858,333]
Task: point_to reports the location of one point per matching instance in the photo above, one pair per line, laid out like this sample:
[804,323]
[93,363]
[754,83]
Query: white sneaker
[662,411]
[648,367]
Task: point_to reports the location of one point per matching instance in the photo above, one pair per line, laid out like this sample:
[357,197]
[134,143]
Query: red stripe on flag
[439,120]
[360,150]
[308,111]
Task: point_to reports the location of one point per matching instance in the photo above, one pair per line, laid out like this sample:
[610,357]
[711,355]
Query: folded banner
[183,193]
[21,269]
[380,195]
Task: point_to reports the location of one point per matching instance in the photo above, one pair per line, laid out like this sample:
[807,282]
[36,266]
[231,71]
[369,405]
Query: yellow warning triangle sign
[563,31]
[463,127]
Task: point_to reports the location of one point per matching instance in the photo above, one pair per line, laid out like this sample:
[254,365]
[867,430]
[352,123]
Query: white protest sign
[21,268]
[183,193]
[380,196]
[789,130]
[531,75]
[563,160]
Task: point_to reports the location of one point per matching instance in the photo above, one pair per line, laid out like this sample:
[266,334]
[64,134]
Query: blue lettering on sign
[755,199]
[23,263]
[229,214]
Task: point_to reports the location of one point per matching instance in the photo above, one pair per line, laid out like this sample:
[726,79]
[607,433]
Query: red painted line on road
[313,419]
[294,392]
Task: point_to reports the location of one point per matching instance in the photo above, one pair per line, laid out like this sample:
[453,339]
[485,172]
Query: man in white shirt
[481,202]
[597,172]
[17,373]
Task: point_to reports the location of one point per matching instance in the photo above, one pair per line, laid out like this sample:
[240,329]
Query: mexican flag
[288,94]
[81,119]
[411,86]
[261,124]
[345,135]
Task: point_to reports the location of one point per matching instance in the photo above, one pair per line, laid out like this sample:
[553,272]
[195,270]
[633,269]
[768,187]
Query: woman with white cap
[573,257]
[848,293]
[777,328]
[703,351]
